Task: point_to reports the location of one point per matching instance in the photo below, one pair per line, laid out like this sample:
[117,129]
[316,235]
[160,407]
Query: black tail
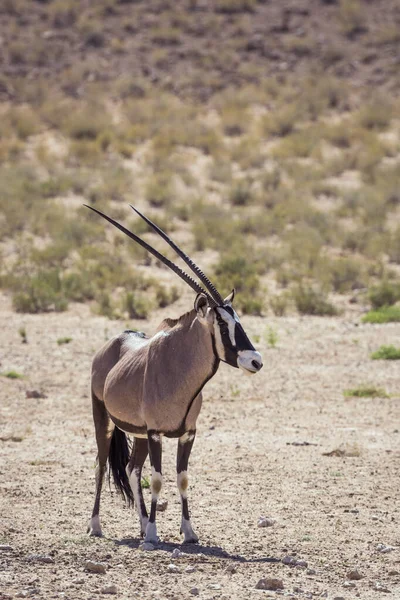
[118,458]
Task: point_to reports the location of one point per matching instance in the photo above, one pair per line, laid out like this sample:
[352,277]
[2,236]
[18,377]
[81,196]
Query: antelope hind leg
[139,454]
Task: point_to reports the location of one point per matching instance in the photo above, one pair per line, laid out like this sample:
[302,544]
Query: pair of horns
[214,297]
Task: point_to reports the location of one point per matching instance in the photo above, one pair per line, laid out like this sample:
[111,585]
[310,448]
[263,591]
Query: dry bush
[351,17]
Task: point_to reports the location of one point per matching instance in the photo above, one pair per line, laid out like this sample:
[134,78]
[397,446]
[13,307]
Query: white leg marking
[151,534]
[134,482]
[95,527]
[182,481]
[156,483]
[186,528]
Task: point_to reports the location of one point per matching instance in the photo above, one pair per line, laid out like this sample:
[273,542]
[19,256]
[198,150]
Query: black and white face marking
[233,345]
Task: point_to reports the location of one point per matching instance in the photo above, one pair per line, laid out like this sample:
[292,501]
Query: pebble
[383,548]
[173,568]
[354,575]
[349,584]
[190,569]
[293,562]
[194,591]
[42,558]
[378,587]
[5,547]
[146,546]
[95,567]
[265,522]
[231,569]
[176,553]
[393,573]
[214,586]
[269,583]
[311,572]
[338,598]
[109,589]
[78,581]
[162,505]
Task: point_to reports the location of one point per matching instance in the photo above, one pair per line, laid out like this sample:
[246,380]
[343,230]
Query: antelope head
[231,343]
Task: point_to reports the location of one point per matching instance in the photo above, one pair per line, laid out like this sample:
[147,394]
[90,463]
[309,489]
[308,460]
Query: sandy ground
[259,452]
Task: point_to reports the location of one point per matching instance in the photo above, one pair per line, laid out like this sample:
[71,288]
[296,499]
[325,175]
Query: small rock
[354,575]
[109,589]
[301,563]
[265,522]
[214,586]
[349,584]
[311,571]
[173,568]
[231,569]
[95,567]
[5,547]
[379,587]
[190,569]
[34,394]
[384,549]
[176,553]
[162,505]
[393,573]
[289,560]
[78,581]
[270,583]
[23,594]
[339,598]
[146,546]
[194,591]
[41,558]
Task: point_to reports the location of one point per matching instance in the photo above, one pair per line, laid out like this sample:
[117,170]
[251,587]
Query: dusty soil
[260,451]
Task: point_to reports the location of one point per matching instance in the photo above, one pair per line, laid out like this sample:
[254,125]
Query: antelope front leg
[155,452]
[184,448]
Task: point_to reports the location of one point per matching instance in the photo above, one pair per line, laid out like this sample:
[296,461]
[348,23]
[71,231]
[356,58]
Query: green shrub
[376,114]
[385,314]
[41,292]
[166,297]
[241,193]
[384,294]
[281,122]
[310,301]
[386,353]
[235,271]
[351,17]
[12,375]
[136,306]
[64,340]
[346,274]
[279,304]
[159,189]
[366,391]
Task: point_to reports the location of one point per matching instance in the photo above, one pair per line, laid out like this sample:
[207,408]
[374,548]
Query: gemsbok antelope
[152,386]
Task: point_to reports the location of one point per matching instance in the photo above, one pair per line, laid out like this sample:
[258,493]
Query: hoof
[94,528]
[191,540]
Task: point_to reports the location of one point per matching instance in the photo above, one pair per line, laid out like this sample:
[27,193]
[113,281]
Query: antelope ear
[201,305]
[229,299]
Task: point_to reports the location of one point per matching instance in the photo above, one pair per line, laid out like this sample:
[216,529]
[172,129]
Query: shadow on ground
[198,549]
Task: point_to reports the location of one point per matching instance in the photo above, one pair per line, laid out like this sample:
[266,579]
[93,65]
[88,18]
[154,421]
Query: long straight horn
[192,265]
[189,280]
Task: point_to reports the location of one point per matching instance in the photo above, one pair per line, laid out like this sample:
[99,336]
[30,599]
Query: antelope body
[150,387]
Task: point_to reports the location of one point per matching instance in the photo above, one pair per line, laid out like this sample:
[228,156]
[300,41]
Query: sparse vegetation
[11,375]
[385,314]
[365,391]
[386,353]
[238,162]
[64,340]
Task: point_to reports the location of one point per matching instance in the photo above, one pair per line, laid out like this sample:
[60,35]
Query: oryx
[151,386]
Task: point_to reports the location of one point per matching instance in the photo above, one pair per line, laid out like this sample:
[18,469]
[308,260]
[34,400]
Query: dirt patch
[265,447]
